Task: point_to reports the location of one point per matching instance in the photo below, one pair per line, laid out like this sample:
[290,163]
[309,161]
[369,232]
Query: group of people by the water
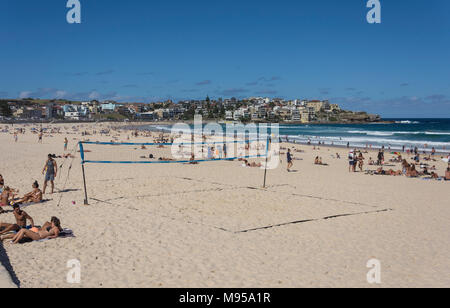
[355,160]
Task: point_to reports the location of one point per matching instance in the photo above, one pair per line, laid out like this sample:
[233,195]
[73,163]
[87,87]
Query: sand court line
[265,227]
[283,185]
[188,219]
[312,220]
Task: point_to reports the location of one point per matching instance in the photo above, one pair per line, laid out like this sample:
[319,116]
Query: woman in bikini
[34,196]
[49,231]
[361,162]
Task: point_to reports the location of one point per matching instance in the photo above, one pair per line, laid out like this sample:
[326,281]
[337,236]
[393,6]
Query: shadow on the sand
[68,190]
[4,259]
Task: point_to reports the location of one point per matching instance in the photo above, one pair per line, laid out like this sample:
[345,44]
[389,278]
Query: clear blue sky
[140,50]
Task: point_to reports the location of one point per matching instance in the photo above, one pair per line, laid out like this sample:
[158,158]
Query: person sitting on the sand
[412,172]
[5,197]
[447,174]
[2,183]
[316,161]
[36,234]
[192,160]
[21,221]
[405,166]
[255,165]
[35,196]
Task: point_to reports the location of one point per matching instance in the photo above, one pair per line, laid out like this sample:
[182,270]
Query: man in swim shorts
[50,170]
[21,221]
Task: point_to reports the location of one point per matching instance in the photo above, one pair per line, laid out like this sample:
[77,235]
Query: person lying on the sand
[48,232]
[252,164]
[5,198]
[35,196]
[165,159]
[380,171]
[21,221]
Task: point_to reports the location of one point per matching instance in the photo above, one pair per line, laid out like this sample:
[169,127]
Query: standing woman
[50,170]
[290,164]
[361,161]
[66,142]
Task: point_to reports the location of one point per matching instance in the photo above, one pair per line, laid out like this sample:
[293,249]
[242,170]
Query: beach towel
[25,205]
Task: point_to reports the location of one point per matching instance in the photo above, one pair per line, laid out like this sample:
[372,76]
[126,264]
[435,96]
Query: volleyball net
[176,152]
[171,153]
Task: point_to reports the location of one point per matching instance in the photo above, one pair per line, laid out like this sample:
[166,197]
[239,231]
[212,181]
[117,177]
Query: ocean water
[421,133]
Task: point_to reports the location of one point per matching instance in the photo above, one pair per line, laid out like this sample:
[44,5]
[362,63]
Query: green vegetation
[5,110]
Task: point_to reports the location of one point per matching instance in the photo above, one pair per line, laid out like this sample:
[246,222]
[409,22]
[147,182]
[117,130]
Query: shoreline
[422,150]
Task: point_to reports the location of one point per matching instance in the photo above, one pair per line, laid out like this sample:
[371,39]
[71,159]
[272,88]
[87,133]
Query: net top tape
[171,161]
[170,144]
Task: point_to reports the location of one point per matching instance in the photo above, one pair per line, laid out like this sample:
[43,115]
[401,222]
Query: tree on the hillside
[5,110]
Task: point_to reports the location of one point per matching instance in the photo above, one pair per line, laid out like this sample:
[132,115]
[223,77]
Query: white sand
[180,225]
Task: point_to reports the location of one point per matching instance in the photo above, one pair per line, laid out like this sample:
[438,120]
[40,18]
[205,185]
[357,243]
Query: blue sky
[142,50]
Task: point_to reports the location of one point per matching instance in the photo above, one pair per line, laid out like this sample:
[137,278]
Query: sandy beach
[213,225]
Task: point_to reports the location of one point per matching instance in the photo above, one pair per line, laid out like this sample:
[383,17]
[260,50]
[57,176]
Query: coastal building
[296,115]
[108,107]
[316,105]
[304,116]
[229,115]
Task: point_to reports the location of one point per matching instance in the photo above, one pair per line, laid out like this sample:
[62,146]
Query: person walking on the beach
[66,143]
[350,161]
[40,137]
[50,170]
[380,158]
[289,160]
[355,160]
[16,137]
